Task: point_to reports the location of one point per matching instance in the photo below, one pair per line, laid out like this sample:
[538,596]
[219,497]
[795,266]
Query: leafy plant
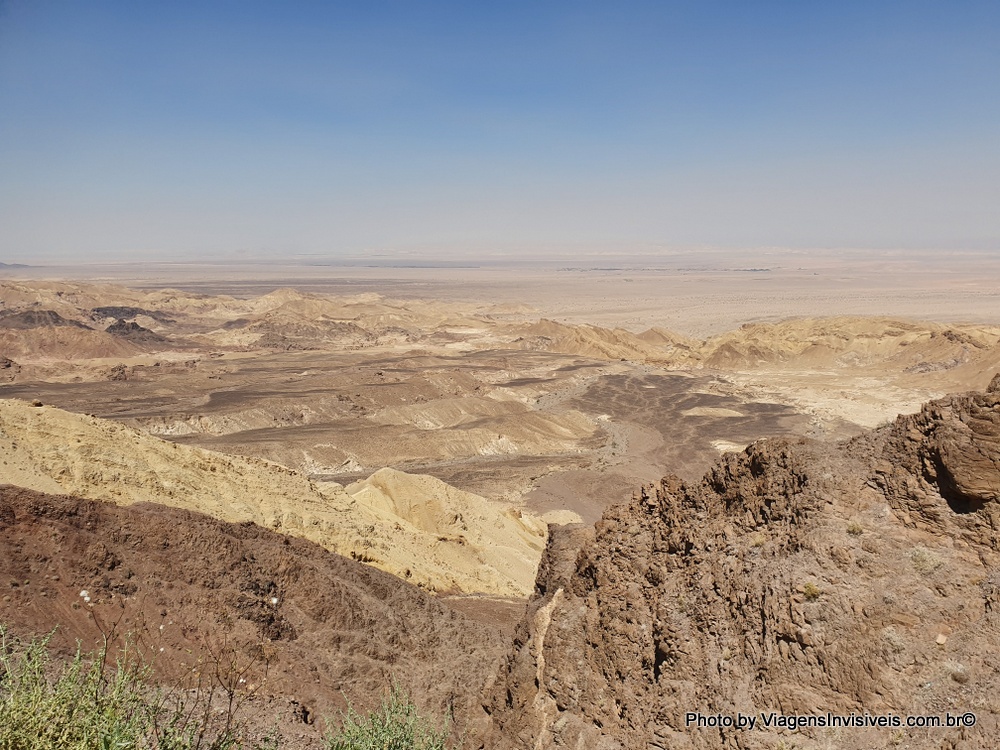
[86,703]
[395,725]
[70,706]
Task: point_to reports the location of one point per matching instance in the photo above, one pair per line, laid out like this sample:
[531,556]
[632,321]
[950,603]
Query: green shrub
[69,706]
[87,704]
[395,725]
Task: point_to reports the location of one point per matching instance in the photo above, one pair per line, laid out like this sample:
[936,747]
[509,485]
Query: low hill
[849,342]
[134,332]
[590,341]
[26,319]
[287,319]
[67,343]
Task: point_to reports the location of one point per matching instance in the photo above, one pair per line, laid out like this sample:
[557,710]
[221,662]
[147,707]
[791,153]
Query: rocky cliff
[796,579]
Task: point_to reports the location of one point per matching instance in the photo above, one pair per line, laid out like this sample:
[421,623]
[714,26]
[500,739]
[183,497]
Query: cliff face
[796,578]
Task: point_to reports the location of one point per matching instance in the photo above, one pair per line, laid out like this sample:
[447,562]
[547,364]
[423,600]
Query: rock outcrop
[796,579]
[27,319]
[134,332]
[9,369]
[127,312]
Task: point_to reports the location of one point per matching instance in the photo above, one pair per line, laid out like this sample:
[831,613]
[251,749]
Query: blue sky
[155,130]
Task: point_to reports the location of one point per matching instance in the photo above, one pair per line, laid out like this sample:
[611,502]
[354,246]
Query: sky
[227,130]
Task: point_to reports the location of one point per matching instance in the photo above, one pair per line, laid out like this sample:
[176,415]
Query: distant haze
[227,130]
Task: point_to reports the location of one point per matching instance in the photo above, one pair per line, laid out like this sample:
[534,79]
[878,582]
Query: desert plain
[446,427]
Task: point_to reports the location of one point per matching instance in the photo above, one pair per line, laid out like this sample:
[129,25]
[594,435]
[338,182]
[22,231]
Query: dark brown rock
[200,589]
[27,319]
[134,332]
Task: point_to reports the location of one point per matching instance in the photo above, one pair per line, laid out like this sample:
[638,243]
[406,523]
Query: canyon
[560,533]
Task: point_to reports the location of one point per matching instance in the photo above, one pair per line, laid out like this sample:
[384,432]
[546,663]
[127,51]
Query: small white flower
[161,649]
[274,600]
[242,680]
[161,628]
[85,594]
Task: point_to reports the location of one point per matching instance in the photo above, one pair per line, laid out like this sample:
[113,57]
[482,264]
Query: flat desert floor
[696,293]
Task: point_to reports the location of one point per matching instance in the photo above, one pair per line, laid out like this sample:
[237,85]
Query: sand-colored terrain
[414,527]
[494,398]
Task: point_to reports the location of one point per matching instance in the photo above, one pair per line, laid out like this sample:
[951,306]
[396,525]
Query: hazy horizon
[337,131]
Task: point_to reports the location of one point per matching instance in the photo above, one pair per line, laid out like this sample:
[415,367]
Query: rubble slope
[311,629]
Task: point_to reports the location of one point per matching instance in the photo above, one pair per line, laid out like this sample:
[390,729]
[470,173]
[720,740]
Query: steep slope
[795,578]
[51,450]
[63,343]
[509,542]
[312,628]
